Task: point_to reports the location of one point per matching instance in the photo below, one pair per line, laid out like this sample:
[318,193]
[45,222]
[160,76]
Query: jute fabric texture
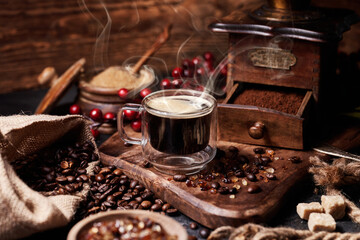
[24,211]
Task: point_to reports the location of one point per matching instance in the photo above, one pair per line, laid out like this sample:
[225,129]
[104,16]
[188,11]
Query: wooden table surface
[27,101]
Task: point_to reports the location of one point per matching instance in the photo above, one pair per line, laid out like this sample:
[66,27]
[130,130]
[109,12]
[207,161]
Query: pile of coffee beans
[112,189]
[60,170]
[232,171]
[126,228]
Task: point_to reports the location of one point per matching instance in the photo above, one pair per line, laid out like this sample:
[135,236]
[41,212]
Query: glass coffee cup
[178,129]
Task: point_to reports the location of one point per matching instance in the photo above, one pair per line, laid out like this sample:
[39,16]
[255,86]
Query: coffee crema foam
[181,106]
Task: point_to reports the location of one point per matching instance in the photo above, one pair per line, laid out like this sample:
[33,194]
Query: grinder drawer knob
[256,131]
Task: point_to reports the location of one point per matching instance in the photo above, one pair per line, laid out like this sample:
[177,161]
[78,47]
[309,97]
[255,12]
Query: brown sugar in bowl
[169,225]
[106,99]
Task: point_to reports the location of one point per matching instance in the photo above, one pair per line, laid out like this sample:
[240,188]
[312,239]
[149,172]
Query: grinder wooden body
[295,55]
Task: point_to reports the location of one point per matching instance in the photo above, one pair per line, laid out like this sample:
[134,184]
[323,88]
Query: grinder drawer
[264,126]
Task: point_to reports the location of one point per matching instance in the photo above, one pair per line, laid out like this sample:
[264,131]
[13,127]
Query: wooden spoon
[161,39]
[59,88]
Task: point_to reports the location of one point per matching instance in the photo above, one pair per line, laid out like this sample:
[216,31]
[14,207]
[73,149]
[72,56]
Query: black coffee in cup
[178,124]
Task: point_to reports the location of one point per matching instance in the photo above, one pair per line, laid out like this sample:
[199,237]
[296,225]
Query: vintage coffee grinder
[285,44]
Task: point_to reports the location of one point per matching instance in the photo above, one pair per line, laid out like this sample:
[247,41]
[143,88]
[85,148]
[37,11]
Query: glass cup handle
[122,133]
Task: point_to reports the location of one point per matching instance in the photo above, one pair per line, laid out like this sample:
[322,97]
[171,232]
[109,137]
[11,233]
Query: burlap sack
[24,211]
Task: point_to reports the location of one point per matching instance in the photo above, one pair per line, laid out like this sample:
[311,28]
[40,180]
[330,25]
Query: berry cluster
[193,73]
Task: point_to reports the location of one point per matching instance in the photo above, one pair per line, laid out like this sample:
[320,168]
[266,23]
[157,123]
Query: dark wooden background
[35,34]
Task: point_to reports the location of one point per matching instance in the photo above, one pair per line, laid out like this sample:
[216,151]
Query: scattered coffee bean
[215,185]
[204,233]
[156,207]
[251,177]
[223,190]
[253,189]
[270,176]
[193,225]
[259,150]
[172,211]
[233,149]
[146,204]
[180,178]
[192,237]
[165,207]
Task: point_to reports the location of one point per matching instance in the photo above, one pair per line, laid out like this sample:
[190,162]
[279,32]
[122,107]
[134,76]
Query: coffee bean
[61,179]
[81,171]
[140,187]
[70,179]
[146,204]
[84,178]
[193,225]
[233,149]
[117,172]
[180,178]
[239,173]
[146,195]
[165,207]
[105,170]
[64,164]
[133,183]
[192,237]
[253,189]
[265,160]
[99,177]
[69,188]
[172,211]
[215,185]
[223,190]
[270,176]
[204,233]
[259,150]
[159,201]
[156,207]
[232,190]
[251,177]
[226,180]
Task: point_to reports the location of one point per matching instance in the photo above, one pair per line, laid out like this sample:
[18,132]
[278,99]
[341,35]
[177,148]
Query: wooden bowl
[169,225]
[105,99]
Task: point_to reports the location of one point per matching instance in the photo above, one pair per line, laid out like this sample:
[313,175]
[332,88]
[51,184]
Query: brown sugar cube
[321,222]
[304,209]
[334,205]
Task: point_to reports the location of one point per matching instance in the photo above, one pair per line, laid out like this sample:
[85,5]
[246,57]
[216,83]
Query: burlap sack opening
[24,211]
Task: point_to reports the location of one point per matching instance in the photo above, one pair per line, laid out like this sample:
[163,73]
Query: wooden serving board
[213,210]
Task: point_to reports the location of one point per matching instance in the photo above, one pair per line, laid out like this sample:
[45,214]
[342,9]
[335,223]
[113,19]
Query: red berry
[96,114]
[136,125]
[75,109]
[223,70]
[200,72]
[109,116]
[177,72]
[130,115]
[196,61]
[176,83]
[123,92]
[165,84]
[208,56]
[145,92]
[95,133]
[187,64]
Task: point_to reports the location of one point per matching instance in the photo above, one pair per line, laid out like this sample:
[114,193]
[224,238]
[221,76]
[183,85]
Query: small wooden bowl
[169,225]
[105,99]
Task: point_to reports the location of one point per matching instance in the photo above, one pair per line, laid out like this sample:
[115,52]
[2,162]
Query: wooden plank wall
[35,34]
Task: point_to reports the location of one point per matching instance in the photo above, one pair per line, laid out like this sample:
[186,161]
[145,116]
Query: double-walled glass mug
[178,129]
